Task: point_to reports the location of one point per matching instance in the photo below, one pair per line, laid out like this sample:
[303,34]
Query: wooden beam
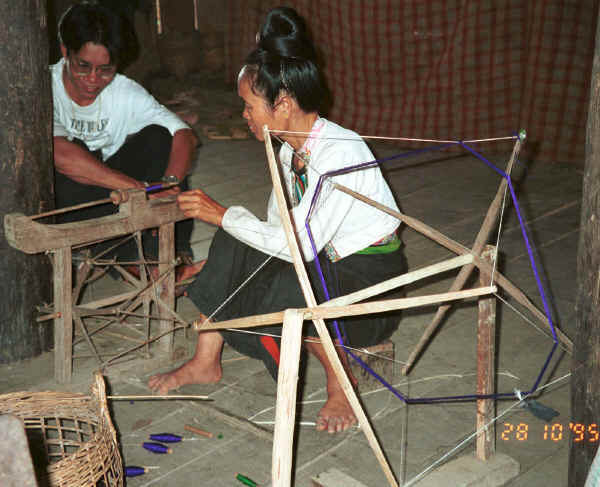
[489,223]
[460,249]
[285,411]
[311,301]
[412,222]
[486,359]
[400,281]
[63,324]
[137,213]
[522,299]
[323,312]
[101,303]
[166,257]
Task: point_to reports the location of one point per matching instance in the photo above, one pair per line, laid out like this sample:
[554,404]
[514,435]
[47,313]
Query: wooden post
[166,257]
[63,324]
[26,172]
[196,26]
[159,26]
[486,339]
[147,301]
[287,385]
[585,366]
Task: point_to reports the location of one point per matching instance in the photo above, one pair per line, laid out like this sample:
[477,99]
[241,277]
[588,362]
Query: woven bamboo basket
[72,439]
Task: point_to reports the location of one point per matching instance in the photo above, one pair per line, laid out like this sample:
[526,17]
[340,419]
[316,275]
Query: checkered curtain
[448,69]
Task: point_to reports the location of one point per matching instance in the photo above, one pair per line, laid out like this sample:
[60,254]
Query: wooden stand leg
[166,256]
[63,324]
[285,412]
[311,301]
[486,337]
[147,301]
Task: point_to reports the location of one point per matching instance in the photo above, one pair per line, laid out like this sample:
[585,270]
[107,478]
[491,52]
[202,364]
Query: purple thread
[153,187]
[134,471]
[362,165]
[166,438]
[425,400]
[156,447]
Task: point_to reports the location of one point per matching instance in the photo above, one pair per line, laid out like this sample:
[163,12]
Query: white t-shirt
[121,109]
[348,224]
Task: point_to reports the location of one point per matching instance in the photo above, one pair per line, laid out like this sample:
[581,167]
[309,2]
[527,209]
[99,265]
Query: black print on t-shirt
[88,126]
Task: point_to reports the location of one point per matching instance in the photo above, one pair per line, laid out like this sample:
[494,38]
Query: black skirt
[275,287]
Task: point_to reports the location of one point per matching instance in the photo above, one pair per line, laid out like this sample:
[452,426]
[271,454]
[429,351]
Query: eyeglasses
[81,69]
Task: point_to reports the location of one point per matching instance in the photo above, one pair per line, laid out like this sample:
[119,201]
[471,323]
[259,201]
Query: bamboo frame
[287,385]
[325,312]
[410,277]
[326,341]
[282,462]
[459,249]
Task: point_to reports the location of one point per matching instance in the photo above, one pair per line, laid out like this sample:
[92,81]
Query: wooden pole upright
[166,256]
[311,301]
[287,388]
[26,172]
[159,26]
[486,350]
[63,324]
[585,364]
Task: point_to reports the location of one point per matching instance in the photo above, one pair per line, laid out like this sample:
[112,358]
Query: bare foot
[182,272]
[188,373]
[185,272]
[336,416]
[203,368]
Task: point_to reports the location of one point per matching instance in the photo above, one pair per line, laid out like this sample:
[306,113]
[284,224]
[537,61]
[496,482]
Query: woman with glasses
[109,132]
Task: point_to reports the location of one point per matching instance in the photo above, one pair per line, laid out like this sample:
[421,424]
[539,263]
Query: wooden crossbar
[325,312]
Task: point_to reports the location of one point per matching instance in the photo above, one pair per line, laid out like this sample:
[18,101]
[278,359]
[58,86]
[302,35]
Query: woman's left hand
[197,204]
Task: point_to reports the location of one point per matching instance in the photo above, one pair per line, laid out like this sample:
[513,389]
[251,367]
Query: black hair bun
[284,34]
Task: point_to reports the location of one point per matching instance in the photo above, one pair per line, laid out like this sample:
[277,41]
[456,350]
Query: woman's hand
[197,204]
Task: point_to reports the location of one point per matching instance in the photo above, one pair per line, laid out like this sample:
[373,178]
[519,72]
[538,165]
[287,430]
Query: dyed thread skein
[156,447]
[166,438]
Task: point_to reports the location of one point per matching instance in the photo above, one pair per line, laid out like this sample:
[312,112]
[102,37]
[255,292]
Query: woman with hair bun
[358,245]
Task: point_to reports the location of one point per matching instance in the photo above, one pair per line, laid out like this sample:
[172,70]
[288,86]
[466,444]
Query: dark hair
[90,22]
[285,60]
